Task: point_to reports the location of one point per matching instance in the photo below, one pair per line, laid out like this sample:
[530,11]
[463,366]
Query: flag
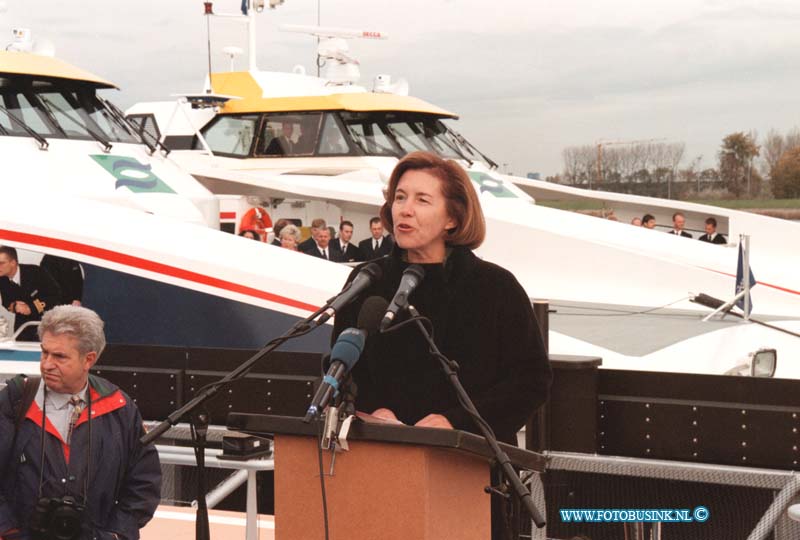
[244,7]
[740,280]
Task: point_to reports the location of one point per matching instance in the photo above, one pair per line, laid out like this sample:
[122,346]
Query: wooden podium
[395,482]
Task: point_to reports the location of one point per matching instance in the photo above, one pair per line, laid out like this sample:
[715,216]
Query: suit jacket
[684,234]
[315,252]
[367,251]
[306,244]
[37,289]
[279,146]
[68,274]
[718,239]
[351,254]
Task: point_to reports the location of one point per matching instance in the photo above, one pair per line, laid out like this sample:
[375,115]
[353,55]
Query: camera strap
[88,450]
[29,387]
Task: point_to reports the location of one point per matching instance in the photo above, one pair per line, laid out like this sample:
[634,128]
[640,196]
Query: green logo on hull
[487,184]
[138,177]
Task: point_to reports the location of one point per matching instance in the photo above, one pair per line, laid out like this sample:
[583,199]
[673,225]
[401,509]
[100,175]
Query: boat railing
[244,471]
[778,521]
[20,330]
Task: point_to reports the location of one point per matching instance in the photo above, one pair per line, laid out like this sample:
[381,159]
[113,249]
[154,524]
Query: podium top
[264,424]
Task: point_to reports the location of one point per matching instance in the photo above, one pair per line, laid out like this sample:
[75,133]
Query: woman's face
[419,213]
[288,242]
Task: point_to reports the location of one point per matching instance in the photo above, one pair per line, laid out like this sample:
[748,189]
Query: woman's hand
[386,414]
[435,421]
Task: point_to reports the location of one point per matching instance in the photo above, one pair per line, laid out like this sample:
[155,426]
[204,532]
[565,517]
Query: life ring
[258,220]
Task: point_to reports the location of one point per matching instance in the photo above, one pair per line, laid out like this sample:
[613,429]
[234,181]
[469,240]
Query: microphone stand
[200,430]
[450,368]
[298,329]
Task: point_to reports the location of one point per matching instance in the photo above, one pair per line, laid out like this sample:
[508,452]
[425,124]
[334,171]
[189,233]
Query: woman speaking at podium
[482,317]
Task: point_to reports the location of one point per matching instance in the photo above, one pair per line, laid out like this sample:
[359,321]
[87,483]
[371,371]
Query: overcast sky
[527,77]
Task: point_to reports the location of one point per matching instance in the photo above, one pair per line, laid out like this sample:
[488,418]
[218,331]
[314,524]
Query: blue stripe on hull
[19,356]
[141,311]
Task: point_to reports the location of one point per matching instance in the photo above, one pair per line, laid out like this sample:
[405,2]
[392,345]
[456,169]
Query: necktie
[377,245]
[77,408]
[324,253]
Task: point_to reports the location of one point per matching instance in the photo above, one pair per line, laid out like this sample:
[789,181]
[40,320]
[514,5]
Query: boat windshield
[398,133]
[57,109]
[330,134]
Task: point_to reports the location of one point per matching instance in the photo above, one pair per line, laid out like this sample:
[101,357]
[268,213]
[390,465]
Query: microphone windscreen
[372,311]
[348,347]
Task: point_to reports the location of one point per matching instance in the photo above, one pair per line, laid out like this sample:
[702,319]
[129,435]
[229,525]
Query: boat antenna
[209,11]
[318,25]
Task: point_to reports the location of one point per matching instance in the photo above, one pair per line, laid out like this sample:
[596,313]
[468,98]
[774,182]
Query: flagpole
[746,275]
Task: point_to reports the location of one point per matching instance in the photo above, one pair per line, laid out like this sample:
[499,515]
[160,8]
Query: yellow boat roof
[20,63]
[242,84]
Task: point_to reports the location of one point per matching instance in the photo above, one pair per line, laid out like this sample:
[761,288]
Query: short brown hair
[10,252]
[319,223]
[463,204]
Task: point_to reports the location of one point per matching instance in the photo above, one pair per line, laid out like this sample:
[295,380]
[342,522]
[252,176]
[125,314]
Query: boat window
[23,109]
[332,141]
[232,135]
[287,135]
[397,133]
[59,109]
[109,126]
[409,135]
[146,123]
[370,133]
[65,116]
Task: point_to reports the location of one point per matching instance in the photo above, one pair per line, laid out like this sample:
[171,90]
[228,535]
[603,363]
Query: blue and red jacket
[124,477]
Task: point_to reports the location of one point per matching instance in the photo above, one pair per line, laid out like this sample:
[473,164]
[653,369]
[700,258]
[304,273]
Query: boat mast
[251,32]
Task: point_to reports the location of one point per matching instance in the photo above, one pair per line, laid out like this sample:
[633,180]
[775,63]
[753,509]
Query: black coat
[125,477]
[684,234]
[314,251]
[351,254]
[68,274]
[306,244]
[482,319]
[37,289]
[367,251]
[718,239]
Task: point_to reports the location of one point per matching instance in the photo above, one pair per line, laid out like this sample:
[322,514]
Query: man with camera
[71,465]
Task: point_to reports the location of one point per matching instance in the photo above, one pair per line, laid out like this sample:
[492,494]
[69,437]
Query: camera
[57,518]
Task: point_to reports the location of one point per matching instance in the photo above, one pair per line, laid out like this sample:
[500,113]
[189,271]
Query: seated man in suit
[321,247]
[678,222]
[378,245]
[316,226]
[711,235]
[282,145]
[26,290]
[342,249]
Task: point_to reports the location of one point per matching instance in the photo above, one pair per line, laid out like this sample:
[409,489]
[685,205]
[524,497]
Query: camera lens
[65,522]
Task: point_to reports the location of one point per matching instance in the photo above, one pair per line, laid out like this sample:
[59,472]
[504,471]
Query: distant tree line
[744,169]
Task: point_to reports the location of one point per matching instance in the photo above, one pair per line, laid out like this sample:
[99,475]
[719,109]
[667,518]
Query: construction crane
[601,144]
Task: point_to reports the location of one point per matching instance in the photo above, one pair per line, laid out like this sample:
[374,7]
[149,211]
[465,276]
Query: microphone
[365,277]
[410,280]
[345,353]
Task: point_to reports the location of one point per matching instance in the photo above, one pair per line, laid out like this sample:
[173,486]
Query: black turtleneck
[482,319]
